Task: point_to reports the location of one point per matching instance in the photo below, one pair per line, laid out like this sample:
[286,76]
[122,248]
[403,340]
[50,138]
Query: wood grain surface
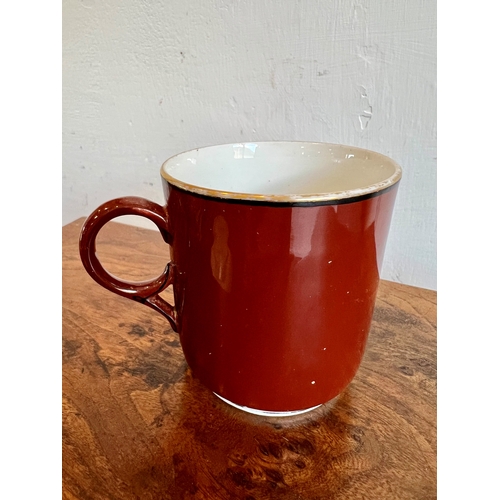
[137,425]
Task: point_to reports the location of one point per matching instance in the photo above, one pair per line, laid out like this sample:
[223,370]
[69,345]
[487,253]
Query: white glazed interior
[281,171]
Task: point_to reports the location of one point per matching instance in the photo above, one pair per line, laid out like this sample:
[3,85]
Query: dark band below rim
[284,204]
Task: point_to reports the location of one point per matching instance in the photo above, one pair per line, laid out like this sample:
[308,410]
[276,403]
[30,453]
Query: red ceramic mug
[276,252]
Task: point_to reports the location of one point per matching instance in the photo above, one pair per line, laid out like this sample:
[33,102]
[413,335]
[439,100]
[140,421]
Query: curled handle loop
[145,292]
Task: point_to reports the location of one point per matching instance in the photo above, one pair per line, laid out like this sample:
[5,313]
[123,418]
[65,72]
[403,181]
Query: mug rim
[344,196]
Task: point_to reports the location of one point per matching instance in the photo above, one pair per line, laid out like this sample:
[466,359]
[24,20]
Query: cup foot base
[266,413]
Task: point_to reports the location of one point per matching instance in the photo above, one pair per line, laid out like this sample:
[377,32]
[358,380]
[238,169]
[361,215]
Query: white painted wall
[145,80]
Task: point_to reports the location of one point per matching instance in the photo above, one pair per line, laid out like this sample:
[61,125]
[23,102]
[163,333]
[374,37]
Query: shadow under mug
[276,252]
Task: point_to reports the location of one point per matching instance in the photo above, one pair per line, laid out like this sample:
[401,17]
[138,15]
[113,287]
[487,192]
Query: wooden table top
[137,425]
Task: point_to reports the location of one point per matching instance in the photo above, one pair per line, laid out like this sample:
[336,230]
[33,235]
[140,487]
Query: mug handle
[145,292]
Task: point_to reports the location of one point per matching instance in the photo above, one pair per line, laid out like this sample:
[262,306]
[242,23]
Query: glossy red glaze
[274,303]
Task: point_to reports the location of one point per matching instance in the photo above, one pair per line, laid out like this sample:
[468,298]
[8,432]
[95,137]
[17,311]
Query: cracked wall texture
[143,81]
